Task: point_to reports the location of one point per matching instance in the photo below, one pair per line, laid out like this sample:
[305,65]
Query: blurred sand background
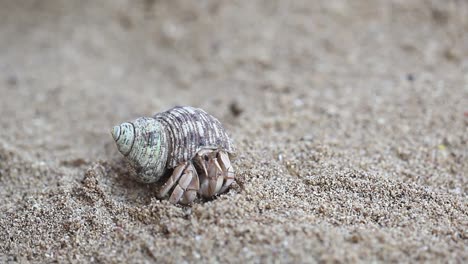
[350,118]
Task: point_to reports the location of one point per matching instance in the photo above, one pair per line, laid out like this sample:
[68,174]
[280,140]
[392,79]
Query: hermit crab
[186,143]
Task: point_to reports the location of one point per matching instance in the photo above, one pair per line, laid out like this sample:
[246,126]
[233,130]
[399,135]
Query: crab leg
[228,171]
[186,188]
[203,176]
[211,176]
[219,176]
[172,180]
[191,191]
[214,177]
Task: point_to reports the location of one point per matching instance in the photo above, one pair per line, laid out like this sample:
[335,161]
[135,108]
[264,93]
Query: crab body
[186,140]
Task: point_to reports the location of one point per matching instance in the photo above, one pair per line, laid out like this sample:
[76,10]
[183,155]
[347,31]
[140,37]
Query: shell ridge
[191,129]
[183,135]
[176,125]
[133,142]
[167,118]
[192,132]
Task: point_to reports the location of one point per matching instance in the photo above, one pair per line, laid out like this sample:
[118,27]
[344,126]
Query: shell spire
[124,136]
[144,144]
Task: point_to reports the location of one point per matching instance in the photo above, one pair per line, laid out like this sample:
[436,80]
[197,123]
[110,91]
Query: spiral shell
[154,145]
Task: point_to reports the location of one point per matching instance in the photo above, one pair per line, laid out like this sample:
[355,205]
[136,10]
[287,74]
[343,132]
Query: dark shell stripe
[190,129]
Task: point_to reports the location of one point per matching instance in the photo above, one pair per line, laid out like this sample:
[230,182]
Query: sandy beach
[350,120]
